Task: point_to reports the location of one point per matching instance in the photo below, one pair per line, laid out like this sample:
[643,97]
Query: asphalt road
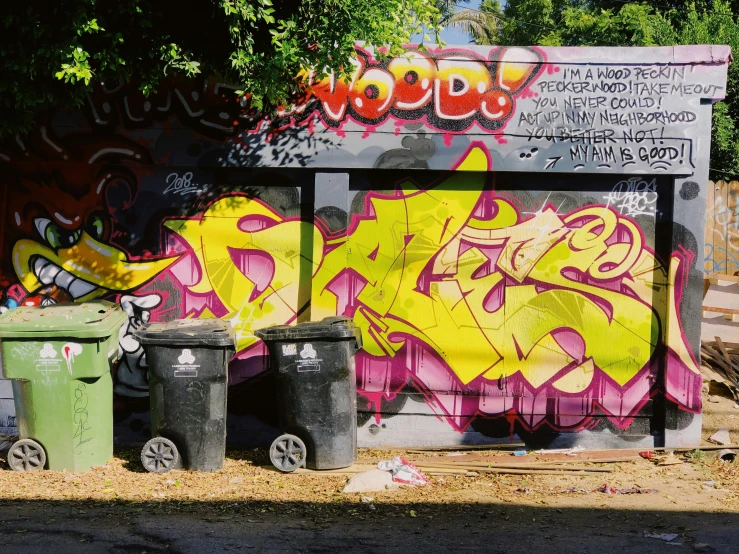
[80,528]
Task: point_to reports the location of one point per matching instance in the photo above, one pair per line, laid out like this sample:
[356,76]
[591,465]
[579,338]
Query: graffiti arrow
[551,162]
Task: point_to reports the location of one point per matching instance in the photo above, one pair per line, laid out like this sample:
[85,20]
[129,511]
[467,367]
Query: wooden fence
[721,248]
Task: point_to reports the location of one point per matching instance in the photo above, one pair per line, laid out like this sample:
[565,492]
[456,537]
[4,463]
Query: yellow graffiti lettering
[544,295]
[254,297]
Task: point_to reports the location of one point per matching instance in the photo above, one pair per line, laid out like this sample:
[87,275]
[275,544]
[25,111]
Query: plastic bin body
[316,387]
[188,380]
[60,358]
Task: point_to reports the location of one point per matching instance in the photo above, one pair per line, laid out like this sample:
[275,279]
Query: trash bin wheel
[159,455]
[26,455]
[287,453]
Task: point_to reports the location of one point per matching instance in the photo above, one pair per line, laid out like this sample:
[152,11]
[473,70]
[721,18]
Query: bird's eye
[55,236]
[97,226]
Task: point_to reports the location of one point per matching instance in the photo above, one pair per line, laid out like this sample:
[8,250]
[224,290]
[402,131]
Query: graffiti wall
[510,228]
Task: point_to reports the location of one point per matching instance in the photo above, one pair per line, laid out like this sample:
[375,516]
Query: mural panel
[494,295]
[488,301]
[511,302]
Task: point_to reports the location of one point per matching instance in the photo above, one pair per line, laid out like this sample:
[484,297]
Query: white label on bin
[308,361]
[187,366]
[308,352]
[69,351]
[309,365]
[289,349]
[48,351]
[48,363]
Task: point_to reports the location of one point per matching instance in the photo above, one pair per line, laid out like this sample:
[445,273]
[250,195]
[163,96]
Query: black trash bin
[316,392]
[188,365]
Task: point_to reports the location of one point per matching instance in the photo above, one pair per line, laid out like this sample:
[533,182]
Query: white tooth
[48,272]
[39,264]
[80,288]
[63,279]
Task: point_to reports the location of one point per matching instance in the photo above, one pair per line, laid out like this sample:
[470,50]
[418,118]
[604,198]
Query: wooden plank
[713,324]
[731,345]
[722,224]
[721,216]
[719,351]
[732,230]
[732,377]
[723,350]
[721,310]
[717,277]
[722,297]
[716,356]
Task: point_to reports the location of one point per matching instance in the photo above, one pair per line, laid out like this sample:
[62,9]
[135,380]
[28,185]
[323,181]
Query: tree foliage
[623,23]
[53,52]
[483,24]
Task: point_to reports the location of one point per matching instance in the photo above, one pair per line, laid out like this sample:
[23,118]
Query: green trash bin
[59,358]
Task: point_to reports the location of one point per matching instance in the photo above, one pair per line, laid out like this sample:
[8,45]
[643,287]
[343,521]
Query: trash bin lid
[336,327]
[86,320]
[187,332]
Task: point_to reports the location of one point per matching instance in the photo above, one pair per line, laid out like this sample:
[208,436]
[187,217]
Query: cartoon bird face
[61,229]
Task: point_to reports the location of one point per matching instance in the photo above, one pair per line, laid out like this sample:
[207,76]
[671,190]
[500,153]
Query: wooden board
[721,245]
[721,310]
[732,229]
[723,279]
[714,324]
[720,225]
[722,298]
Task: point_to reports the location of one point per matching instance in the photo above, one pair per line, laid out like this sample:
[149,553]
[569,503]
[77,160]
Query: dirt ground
[248,507]
[719,411]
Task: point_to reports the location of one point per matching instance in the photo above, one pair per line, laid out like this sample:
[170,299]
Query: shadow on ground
[211,527]
[103,520]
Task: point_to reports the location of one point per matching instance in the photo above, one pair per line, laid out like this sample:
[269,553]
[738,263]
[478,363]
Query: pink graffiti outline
[622,419]
[527,398]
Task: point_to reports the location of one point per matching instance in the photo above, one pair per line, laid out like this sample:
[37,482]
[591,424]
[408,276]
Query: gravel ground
[248,507]
[245,480]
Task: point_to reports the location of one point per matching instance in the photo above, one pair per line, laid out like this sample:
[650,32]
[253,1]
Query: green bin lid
[86,320]
[186,332]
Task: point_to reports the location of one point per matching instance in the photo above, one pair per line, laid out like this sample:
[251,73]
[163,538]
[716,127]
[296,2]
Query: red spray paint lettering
[451,90]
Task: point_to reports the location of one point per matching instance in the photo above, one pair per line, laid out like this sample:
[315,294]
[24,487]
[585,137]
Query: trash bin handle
[228,353]
[358,340]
